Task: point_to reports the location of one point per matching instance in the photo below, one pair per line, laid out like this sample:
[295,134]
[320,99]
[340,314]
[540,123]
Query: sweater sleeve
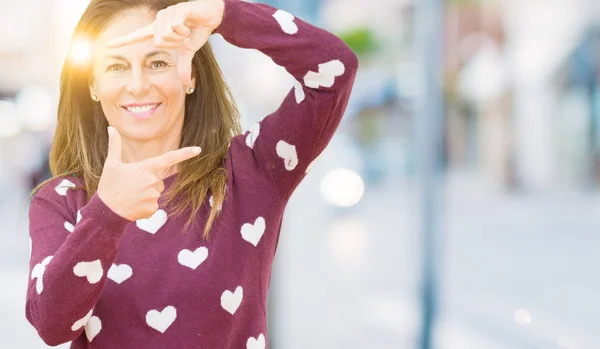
[70,257]
[287,141]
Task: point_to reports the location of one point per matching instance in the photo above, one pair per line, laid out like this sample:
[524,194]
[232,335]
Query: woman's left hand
[185,26]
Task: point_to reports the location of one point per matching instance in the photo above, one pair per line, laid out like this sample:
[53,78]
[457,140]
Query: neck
[136,151]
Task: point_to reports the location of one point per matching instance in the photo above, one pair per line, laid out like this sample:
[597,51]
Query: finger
[184,66]
[178,22]
[113,158]
[170,38]
[164,34]
[160,186]
[169,45]
[171,158]
[135,36]
[160,29]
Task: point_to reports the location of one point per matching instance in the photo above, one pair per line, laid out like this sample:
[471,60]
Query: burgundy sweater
[102,281]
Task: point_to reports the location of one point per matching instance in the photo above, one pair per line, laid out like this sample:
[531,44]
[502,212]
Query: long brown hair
[211,119]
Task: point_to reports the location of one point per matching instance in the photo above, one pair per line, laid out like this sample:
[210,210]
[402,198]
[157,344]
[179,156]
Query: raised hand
[132,190]
[185,26]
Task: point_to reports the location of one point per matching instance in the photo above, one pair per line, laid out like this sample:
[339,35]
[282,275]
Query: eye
[158,64]
[115,67]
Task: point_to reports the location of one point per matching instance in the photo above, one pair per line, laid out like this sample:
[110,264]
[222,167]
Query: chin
[142,133]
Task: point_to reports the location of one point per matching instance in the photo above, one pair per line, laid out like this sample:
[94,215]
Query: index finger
[172,157]
[135,36]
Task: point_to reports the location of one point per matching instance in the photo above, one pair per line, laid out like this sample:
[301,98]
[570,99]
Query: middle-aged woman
[161,232]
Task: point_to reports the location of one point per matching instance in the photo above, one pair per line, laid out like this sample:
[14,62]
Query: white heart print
[192,259]
[92,271]
[253,135]
[298,92]
[70,226]
[288,153]
[154,223]
[119,273]
[161,320]
[325,76]
[81,322]
[63,186]
[231,301]
[93,327]
[253,232]
[286,21]
[256,343]
[38,273]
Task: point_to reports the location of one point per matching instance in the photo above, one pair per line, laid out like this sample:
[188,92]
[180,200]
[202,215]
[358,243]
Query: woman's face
[138,85]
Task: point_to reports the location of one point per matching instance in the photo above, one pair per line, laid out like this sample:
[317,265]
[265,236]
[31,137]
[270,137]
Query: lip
[143,115]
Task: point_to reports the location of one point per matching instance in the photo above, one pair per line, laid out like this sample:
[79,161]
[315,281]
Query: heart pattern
[161,320]
[253,232]
[70,226]
[230,301]
[81,322]
[299,92]
[154,223]
[92,271]
[256,343]
[253,135]
[38,273]
[286,21]
[192,259]
[119,273]
[93,327]
[288,153]
[63,186]
[325,76]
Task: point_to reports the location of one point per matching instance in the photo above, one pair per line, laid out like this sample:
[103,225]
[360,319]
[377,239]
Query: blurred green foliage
[361,40]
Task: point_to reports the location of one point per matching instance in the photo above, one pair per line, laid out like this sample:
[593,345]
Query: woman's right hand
[132,190]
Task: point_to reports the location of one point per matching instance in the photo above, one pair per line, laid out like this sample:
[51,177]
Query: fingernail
[196,150]
[111,131]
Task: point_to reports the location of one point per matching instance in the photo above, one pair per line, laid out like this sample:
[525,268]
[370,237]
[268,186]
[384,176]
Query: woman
[138,241]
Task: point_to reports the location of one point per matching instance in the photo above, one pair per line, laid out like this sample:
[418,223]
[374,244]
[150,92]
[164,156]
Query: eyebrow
[149,55]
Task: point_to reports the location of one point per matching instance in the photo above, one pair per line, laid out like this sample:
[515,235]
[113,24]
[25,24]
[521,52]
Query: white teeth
[141,109]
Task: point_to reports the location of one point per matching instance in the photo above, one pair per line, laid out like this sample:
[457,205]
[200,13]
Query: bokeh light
[80,52]
[342,187]
[522,317]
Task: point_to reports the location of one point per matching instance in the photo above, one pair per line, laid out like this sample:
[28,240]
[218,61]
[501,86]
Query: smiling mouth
[141,111]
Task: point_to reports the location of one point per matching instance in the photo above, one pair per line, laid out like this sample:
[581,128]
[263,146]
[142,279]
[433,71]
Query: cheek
[109,94]
[170,87]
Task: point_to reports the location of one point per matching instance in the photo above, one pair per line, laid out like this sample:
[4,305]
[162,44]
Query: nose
[138,82]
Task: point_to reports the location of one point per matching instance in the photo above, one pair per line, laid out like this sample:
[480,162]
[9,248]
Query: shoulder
[65,191]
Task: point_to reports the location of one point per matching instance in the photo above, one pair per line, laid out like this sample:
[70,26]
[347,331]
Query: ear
[193,80]
[92,87]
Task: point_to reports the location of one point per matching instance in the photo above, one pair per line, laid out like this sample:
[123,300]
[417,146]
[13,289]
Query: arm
[68,269]
[285,142]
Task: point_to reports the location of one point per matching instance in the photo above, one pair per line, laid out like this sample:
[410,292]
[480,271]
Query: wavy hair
[211,120]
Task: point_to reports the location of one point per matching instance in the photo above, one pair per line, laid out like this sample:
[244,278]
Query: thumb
[113,158]
[184,67]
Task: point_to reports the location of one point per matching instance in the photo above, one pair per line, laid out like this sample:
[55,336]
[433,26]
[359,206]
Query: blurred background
[492,245]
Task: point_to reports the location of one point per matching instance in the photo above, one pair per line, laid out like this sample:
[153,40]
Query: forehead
[124,24]
[127,22]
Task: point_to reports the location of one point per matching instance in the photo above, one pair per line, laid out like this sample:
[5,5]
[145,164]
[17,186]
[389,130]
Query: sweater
[99,280]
